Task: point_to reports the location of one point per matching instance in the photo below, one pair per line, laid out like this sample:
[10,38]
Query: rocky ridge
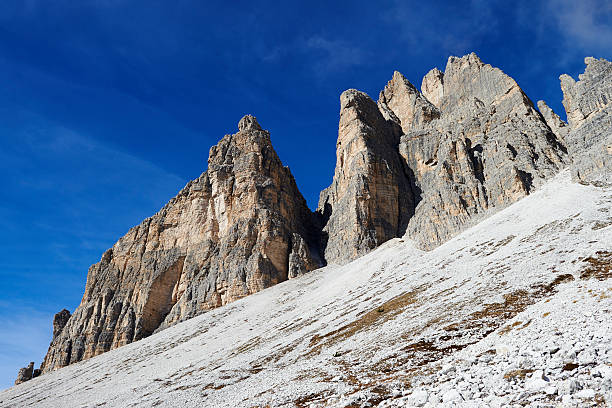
[526,289]
[479,146]
[588,104]
[422,165]
[240,227]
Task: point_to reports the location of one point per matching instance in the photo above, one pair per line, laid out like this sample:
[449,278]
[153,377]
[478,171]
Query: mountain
[526,292]
[240,227]
[423,166]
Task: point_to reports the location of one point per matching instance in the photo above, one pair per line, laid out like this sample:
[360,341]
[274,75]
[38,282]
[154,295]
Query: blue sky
[108,107]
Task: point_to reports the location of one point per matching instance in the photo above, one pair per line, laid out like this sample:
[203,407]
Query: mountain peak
[248,122]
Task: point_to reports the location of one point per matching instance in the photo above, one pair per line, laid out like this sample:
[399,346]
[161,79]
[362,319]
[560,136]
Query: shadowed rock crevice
[161,298]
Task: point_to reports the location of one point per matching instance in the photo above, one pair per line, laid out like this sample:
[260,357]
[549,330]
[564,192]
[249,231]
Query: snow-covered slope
[496,316]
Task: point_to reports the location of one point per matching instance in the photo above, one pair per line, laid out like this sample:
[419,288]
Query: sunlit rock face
[424,165]
[588,104]
[369,200]
[429,168]
[240,227]
[488,148]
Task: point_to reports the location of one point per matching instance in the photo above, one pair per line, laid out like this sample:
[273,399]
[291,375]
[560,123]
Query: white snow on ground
[515,311]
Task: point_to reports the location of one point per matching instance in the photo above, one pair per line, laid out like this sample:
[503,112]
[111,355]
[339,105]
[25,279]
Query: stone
[369,200]
[25,374]
[418,398]
[240,227]
[588,104]
[585,394]
[488,149]
[452,396]
[554,122]
[401,102]
[432,87]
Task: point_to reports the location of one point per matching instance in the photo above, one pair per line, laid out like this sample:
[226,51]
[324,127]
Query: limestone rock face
[240,227]
[369,200]
[588,104]
[432,86]
[556,124]
[401,102]
[478,145]
[25,374]
[489,148]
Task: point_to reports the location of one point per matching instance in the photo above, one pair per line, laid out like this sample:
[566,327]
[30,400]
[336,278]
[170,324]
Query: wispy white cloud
[325,55]
[24,337]
[334,55]
[584,25]
[424,27]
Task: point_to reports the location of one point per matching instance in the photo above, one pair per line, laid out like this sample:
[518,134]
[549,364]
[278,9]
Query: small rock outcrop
[240,227]
[556,124]
[432,87]
[588,104]
[59,321]
[25,374]
[401,102]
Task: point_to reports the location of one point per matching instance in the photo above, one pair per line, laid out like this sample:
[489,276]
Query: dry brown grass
[514,374]
[598,266]
[376,316]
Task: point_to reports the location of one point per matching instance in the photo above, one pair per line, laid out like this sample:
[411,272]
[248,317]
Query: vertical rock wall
[588,104]
[240,227]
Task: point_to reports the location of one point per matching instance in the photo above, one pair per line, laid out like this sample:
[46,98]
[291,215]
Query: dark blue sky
[108,107]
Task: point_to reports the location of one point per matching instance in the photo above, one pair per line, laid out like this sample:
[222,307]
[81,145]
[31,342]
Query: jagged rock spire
[403,103]
[369,200]
[588,104]
[235,230]
[248,122]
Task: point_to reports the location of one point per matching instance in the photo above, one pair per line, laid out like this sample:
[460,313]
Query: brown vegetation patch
[377,315]
[508,328]
[601,224]
[307,400]
[570,366]
[520,373]
[425,351]
[598,266]
[479,324]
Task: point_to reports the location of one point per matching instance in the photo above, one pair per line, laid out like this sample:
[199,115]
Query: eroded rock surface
[588,104]
[401,102]
[556,124]
[240,227]
[479,144]
[489,148]
[25,374]
[369,200]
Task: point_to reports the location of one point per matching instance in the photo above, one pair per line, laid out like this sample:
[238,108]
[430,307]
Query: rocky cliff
[421,164]
[240,227]
[488,148]
[588,104]
[427,169]
[369,201]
